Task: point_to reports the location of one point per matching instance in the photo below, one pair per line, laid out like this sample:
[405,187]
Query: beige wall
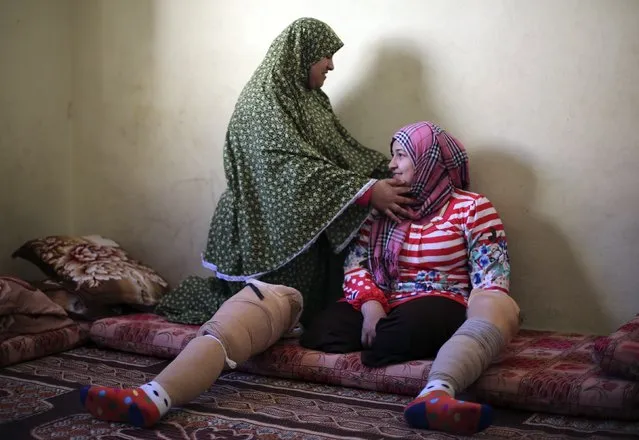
[35,129]
[544,95]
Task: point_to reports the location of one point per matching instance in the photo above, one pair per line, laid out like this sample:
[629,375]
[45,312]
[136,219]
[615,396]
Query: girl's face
[401,165]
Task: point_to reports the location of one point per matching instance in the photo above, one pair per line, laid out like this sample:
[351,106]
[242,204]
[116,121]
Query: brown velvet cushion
[25,310]
[97,267]
[75,303]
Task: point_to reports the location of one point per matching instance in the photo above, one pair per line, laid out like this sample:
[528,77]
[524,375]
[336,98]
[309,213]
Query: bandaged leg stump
[492,321]
[247,324]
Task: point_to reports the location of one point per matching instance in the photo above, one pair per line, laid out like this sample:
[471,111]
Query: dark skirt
[413,330]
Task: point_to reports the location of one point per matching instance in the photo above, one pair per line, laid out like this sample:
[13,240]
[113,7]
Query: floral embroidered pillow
[95,267]
[618,354]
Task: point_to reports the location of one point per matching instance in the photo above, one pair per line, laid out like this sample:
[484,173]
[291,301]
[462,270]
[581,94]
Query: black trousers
[413,330]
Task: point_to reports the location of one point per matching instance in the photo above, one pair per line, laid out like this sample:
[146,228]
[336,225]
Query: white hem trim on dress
[341,247]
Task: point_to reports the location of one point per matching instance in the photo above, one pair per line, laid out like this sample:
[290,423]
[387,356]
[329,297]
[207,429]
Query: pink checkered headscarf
[441,165]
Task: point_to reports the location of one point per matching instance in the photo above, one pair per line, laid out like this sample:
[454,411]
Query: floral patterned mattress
[26,347]
[539,371]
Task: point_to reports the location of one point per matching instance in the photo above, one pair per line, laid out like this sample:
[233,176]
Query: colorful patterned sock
[141,407]
[438,410]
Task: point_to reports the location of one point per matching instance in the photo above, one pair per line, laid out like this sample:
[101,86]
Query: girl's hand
[372,312]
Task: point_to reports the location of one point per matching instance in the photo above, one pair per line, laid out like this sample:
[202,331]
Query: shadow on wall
[549,284]
[390,95]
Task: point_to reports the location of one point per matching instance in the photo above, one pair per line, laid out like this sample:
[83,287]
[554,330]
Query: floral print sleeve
[489,264]
[359,286]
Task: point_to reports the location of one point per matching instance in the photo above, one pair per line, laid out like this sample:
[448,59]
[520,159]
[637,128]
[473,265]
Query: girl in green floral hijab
[299,185]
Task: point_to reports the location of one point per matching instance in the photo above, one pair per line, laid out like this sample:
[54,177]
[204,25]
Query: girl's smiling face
[401,165]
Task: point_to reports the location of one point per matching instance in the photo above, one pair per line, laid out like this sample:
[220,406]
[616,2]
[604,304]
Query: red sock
[131,405]
[439,411]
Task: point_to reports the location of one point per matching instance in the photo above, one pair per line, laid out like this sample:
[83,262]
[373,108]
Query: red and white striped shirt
[462,248]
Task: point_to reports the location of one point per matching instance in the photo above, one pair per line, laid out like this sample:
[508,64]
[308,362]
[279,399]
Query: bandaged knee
[253,319]
[497,308]
[493,319]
